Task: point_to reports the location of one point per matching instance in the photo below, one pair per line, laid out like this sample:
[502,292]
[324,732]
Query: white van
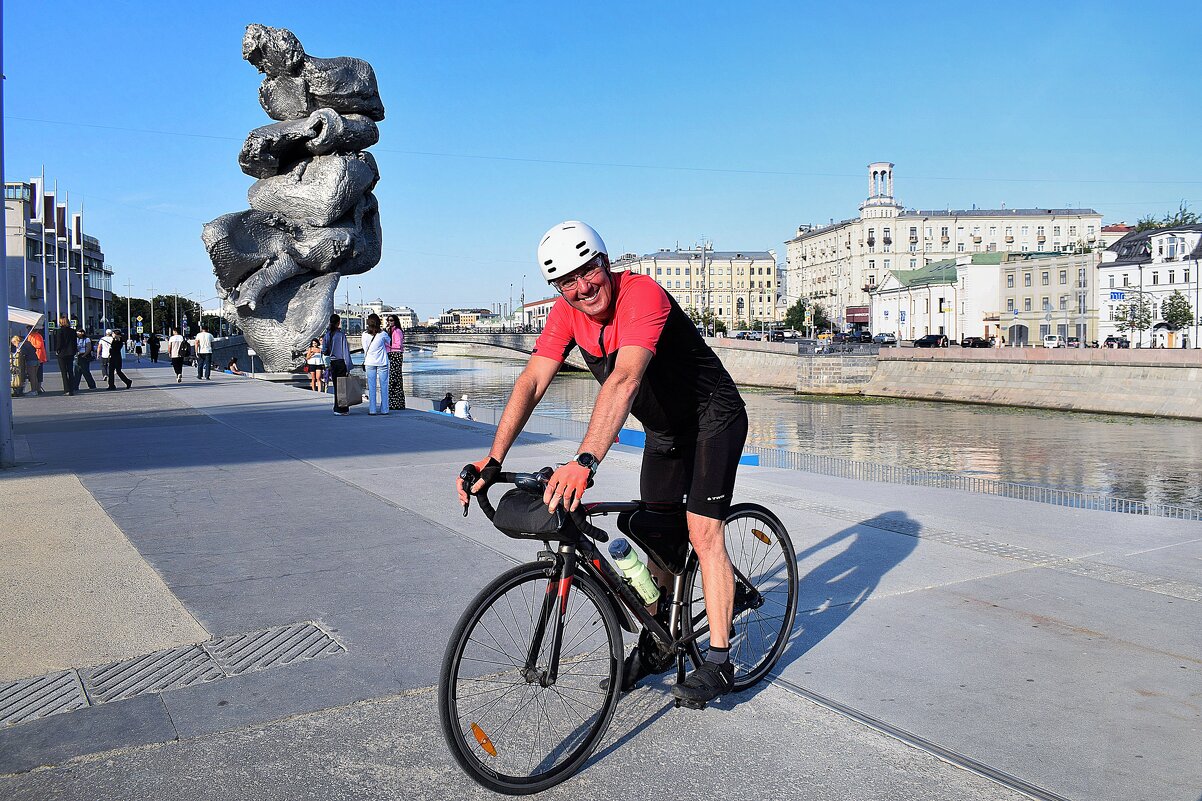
[1053,341]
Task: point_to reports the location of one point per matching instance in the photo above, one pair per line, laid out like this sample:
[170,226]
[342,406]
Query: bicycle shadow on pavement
[832,591]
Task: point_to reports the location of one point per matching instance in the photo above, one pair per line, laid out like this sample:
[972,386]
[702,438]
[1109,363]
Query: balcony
[914,239]
[991,317]
[945,239]
[976,239]
[871,241]
[869,287]
[1009,238]
[1041,239]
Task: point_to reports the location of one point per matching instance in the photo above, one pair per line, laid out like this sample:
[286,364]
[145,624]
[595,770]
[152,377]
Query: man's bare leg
[708,536]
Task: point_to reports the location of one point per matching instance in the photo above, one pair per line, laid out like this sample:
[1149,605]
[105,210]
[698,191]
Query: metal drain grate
[162,670]
[41,697]
[242,653]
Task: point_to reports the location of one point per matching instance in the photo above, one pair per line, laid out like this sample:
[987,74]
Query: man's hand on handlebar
[487,469]
[567,485]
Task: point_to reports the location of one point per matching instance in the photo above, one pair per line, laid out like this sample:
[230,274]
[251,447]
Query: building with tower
[838,265]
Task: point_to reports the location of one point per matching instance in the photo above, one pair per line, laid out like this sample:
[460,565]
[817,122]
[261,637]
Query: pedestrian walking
[83,359]
[463,409]
[138,349]
[204,354]
[176,350]
[115,361]
[375,362]
[64,351]
[153,348]
[396,360]
[315,366]
[335,346]
[39,347]
[103,346]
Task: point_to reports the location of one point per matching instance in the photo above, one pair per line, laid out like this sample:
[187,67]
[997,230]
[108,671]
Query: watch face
[587,460]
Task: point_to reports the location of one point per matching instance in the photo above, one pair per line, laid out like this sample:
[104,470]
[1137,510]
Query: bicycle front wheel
[765,602]
[510,724]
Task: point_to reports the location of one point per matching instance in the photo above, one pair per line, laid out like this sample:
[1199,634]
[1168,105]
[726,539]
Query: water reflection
[1130,457]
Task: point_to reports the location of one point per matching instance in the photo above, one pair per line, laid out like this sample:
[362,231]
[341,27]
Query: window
[1172,276]
[991,247]
[1055,230]
[1064,303]
[1056,245]
[1009,304]
[1039,231]
[993,230]
[872,264]
[1125,283]
[1072,230]
[976,230]
[888,264]
[913,264]
[1112,282]
[1009,230]
[1081,277]
[1025,247]
[1043,278]
[929,232]
[913,232]
[872,279]
[1155,278]
[1045,303]
[943,232]
[1026,230]
[959,247]
[1089,230]
[1010,281]
[1026,279]
[1185,276]
[1063,277]
[1026,304]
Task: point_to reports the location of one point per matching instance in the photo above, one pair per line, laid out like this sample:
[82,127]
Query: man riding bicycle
[652,362]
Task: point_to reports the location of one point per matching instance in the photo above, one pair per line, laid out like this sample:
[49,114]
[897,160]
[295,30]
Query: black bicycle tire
[742,681]
[460,749]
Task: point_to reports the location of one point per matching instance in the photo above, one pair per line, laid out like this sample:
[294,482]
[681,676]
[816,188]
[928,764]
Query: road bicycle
[533,670]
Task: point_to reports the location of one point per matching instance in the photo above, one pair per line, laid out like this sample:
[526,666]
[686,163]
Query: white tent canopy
[24,317]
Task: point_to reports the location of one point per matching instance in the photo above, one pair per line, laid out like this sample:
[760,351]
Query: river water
[1146,459]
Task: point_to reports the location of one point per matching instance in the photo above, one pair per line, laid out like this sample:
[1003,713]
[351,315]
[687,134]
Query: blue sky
[659,123]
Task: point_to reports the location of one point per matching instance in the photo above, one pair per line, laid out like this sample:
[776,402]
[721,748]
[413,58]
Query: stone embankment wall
[758,364]
[835,373]
[1144,382]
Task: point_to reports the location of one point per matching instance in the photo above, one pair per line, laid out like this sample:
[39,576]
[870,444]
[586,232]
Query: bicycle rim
[761,551]
[506,730]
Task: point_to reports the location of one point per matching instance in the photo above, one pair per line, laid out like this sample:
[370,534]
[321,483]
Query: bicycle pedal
[690,704]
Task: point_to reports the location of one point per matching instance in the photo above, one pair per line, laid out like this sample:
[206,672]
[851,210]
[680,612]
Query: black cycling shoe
[706,683]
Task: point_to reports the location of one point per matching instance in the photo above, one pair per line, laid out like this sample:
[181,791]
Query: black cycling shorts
[699,471]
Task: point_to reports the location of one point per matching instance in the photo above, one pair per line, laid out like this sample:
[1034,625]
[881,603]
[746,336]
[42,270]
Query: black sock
[719,656]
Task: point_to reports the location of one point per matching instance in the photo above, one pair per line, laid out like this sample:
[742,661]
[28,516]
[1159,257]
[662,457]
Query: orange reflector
[482,738]
[761,536]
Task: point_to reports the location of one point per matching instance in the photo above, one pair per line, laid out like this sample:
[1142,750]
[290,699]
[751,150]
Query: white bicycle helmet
[567,247]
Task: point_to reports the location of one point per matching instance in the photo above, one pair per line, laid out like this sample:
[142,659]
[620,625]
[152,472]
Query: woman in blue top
[334,345]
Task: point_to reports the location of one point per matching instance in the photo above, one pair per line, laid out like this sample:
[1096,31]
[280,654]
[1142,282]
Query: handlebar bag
[523,515]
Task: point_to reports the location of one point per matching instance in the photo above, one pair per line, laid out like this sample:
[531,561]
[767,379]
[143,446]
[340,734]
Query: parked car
[1116,342]
[931,341]
[885,339]
[1053,341]
[1074,342]
[864,336]
[975,342]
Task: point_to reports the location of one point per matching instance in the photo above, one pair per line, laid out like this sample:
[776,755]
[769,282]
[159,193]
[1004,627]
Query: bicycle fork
[554,610]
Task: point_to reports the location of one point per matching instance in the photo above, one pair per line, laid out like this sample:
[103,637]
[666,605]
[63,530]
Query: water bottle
[636,572]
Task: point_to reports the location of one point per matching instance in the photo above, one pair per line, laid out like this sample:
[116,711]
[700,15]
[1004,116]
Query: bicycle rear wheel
[506,729]
[765,566]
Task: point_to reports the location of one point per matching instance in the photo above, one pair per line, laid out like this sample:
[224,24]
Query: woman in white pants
[375,361]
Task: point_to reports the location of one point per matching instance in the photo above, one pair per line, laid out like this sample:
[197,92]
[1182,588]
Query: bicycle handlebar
[534,483]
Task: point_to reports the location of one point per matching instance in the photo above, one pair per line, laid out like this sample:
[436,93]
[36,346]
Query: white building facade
[840,264]
[1151,264]
[740,288]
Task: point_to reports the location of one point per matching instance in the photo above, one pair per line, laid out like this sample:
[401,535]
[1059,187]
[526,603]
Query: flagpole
[58,278]
[77,234]
[66,239]
[42,242]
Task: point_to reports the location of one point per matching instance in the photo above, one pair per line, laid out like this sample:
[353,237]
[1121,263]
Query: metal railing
[840,467]
[897,474]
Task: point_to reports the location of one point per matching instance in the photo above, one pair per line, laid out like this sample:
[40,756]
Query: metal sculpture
[312,215]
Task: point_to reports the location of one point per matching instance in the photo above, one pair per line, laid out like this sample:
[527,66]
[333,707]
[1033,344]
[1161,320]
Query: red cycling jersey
[685,390]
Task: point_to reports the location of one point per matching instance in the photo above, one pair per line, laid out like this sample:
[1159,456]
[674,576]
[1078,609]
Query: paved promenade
[1058,647]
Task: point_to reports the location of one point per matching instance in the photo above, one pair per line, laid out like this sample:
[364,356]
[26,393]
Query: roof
[1136,246]
[710,255]
[998,213]
[1117,228]
[937,272]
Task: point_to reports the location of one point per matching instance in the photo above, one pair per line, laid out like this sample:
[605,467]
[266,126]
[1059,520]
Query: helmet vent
[581,244]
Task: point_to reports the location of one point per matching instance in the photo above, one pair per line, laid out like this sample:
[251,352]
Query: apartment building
[1151,264]
[1049,293]
[840,264]
[740,288]
[51,265]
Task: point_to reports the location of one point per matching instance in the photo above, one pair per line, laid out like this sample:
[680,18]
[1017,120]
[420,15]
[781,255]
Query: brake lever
[469,476]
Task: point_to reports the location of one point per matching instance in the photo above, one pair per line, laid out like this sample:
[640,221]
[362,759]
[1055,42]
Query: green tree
[1134,315]
[795,317]
[1183,216]
[121,308]
[706,318]
[1176,311]
[165,310]
[806,314]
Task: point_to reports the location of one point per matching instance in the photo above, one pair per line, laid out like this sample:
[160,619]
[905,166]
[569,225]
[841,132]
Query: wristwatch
[589,461]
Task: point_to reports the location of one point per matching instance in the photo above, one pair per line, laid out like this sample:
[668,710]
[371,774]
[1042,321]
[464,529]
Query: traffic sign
[1048,317]
[1118,294]
[1016,312]
[139,329]
[139,318]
